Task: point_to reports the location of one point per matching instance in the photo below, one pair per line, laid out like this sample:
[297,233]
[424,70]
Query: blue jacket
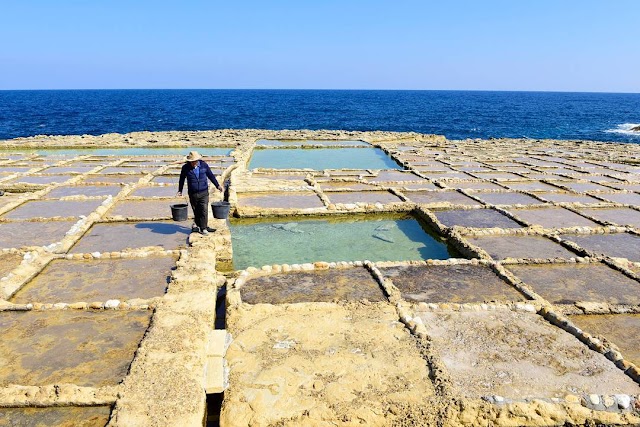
[196,184]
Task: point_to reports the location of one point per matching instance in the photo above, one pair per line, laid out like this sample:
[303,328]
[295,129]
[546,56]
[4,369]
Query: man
[196,171]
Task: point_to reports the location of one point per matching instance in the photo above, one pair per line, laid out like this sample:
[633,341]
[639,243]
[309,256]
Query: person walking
[197,173]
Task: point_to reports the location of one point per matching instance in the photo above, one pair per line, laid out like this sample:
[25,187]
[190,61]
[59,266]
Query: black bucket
[179,212]
[220,209]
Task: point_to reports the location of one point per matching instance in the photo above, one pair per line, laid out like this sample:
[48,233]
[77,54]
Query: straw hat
[193,156]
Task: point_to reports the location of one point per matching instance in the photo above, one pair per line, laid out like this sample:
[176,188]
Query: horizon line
[311,89]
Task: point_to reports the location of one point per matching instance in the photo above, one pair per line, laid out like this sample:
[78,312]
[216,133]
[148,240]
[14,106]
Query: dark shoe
[211,230]
[195,229]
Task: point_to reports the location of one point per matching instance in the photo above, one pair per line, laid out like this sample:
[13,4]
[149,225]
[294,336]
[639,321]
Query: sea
[454,114]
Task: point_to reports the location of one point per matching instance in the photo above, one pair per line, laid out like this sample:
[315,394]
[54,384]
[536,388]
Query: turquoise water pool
[317,142]
[322,158]
[300,240]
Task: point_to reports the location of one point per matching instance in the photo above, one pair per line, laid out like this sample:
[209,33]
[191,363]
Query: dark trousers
[200,205]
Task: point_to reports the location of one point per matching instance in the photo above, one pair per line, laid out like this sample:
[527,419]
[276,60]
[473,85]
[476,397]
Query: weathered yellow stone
[214,378]
[572,398]
[321,265]
[78,305]
[217,343]
[608,401]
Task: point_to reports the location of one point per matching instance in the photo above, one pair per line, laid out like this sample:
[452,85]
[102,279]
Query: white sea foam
[625,129]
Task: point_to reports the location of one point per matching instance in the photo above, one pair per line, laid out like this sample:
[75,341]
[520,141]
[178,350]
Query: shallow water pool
[301,240]
[133,151]
[328,143]
[322,158]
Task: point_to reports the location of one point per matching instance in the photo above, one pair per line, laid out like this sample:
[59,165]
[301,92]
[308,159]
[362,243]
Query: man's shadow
[164,228]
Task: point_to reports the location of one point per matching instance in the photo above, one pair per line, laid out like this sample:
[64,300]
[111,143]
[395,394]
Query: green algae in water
[297,240]
[322,158]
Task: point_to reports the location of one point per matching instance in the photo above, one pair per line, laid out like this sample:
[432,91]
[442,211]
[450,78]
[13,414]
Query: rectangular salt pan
[350,284]
[518,356]
[120,236]
[25,234]
[63,416]
[90,349]
[476,218]
[84,190]
[369,197]
[450,284]
[280,200]
[616,245]
[520,247]
[322,158]
[570,283]
[53,208]
[145,208]
[552,217]
[618,216]
[300,241]
[98,280]
[621,329]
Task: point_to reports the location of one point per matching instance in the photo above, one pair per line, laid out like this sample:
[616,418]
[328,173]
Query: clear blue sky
[563,45]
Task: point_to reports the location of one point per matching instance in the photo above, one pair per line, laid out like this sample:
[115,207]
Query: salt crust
[132,397]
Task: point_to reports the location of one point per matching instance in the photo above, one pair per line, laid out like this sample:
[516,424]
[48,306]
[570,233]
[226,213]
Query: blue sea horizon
[454,114]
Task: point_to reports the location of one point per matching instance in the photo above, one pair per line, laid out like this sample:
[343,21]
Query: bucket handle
[185,196]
